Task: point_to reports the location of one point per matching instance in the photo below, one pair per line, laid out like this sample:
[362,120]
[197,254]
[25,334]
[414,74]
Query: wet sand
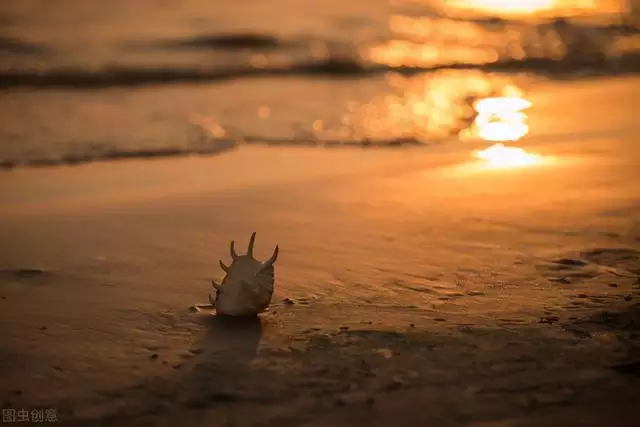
[414,286]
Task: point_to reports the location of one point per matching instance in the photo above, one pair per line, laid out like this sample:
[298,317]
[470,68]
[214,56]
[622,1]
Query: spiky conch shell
[247,287]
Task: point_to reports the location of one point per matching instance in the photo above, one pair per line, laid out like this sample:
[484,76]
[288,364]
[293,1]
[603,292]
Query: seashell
[247,287]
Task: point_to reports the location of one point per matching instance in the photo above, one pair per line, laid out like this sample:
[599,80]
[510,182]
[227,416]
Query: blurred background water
[83,80]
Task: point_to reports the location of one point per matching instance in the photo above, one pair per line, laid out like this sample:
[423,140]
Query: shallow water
[81,82]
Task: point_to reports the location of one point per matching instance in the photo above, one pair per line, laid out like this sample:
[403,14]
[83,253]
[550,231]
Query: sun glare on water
[502,119]
[505,6]
[523,8]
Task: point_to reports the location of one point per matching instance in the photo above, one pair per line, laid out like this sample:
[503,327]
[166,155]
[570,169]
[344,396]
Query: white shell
[247,288]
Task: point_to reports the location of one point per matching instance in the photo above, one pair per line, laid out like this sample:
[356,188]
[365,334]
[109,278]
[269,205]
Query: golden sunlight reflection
[505,6]
[433,107]
[500,118]
[536,7]
[443,35]
[500,156]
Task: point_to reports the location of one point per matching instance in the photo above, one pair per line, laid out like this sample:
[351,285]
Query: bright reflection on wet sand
[501,156]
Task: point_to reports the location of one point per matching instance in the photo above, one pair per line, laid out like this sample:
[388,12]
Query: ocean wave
[417,44]
[254,41]
[215,147]
[78,78]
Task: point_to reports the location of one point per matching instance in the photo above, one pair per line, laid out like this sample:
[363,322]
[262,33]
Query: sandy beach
[415,285]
